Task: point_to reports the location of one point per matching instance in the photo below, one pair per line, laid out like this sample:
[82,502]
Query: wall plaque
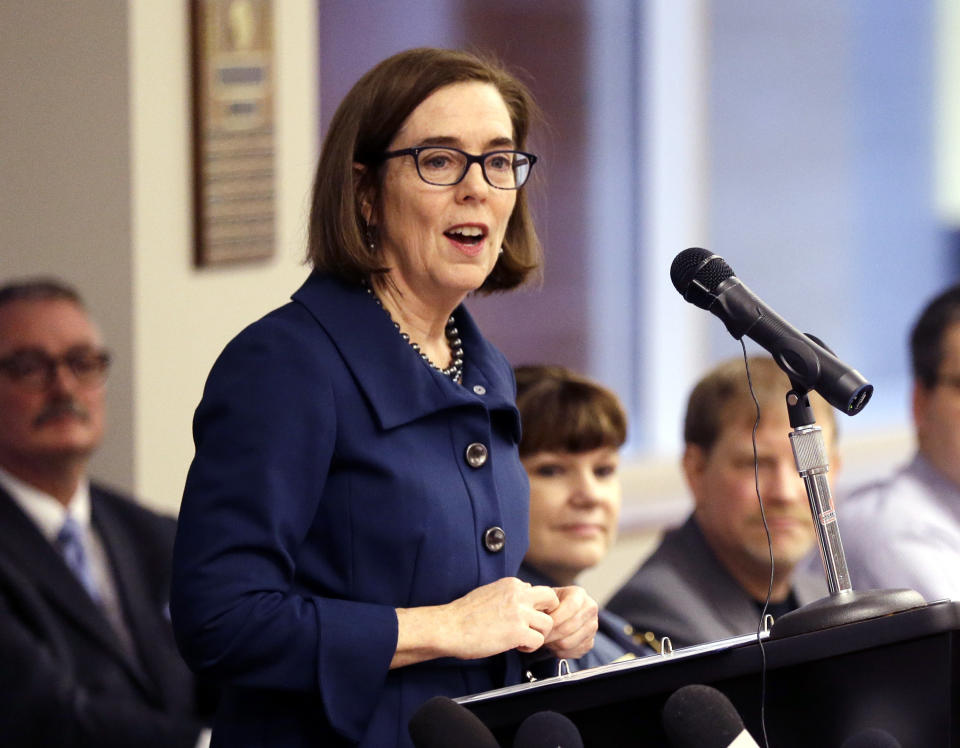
[234,135]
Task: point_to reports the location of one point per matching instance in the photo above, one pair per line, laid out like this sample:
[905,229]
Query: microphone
[698,716]
[547,730]
[442,722]
[707,281]
[872,738]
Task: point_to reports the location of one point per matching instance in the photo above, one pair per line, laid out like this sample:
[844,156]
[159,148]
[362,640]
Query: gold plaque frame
[234,141]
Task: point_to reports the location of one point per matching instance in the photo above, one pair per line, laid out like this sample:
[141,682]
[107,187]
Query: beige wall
[95,150]
[184,316]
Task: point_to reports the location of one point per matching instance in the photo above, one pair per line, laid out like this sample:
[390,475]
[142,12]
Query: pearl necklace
[455,370]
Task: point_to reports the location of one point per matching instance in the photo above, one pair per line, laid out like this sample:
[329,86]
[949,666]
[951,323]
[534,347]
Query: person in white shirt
[85,640]
[904,531]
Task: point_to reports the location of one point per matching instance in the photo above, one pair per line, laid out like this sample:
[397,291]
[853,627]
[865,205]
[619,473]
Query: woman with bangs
[573,429]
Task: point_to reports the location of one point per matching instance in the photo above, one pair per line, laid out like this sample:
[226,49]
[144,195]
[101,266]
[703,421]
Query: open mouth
[470,235]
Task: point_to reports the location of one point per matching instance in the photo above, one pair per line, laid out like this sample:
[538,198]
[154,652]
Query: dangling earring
[369,238]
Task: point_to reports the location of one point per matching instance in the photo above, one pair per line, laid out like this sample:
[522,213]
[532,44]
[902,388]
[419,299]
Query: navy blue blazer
[330,486]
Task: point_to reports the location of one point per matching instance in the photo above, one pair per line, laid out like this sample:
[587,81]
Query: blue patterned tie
[71,546]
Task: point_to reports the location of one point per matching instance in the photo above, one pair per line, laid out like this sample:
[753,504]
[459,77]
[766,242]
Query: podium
[899,673]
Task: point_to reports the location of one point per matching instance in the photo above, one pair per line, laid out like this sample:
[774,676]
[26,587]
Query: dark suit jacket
[682,591]
[64,679]
[336,478]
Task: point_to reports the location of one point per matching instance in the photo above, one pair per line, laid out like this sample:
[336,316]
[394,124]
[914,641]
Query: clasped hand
[512,614]
[497,617]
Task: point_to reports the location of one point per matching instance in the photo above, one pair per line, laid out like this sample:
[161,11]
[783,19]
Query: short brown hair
[39,289]
[561,411]
[723,396]
[362,128]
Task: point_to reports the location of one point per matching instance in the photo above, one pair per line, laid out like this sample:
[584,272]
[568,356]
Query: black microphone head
[442,722]
[871,738]
[547,730]
[696,273]
[698,716]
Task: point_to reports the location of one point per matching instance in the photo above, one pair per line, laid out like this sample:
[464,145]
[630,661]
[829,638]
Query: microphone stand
[843,605]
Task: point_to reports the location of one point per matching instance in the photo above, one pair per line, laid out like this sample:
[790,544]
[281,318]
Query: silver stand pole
[813,464]
[843,605]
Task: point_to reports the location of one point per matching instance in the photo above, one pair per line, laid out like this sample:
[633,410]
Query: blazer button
[476,455]
[479,389]
[494,539]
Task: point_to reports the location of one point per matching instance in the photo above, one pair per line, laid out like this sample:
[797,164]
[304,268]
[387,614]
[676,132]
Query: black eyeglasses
[37,370]
[443,166]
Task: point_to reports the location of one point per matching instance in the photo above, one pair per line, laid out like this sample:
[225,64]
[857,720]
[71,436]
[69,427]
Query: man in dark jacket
[87,652]
[709,578]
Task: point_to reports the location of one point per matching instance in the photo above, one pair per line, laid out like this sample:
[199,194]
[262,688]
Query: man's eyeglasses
[442,166]
[37,370]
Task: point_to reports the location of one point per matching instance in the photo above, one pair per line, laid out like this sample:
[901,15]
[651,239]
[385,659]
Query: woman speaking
[356,510]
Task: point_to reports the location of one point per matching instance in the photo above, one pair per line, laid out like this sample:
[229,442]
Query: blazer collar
[399,386]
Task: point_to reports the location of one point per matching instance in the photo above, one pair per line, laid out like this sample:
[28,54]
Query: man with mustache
[709,578]
[87,651]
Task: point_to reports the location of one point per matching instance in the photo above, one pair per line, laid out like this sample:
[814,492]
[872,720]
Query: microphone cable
[766,527]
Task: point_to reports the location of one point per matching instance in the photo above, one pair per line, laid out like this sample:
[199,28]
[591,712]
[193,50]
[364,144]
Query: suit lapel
[37,560]
[30,552]
[731,602]
[132,591]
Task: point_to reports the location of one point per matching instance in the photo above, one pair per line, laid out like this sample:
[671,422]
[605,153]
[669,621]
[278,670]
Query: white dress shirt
[904,532]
